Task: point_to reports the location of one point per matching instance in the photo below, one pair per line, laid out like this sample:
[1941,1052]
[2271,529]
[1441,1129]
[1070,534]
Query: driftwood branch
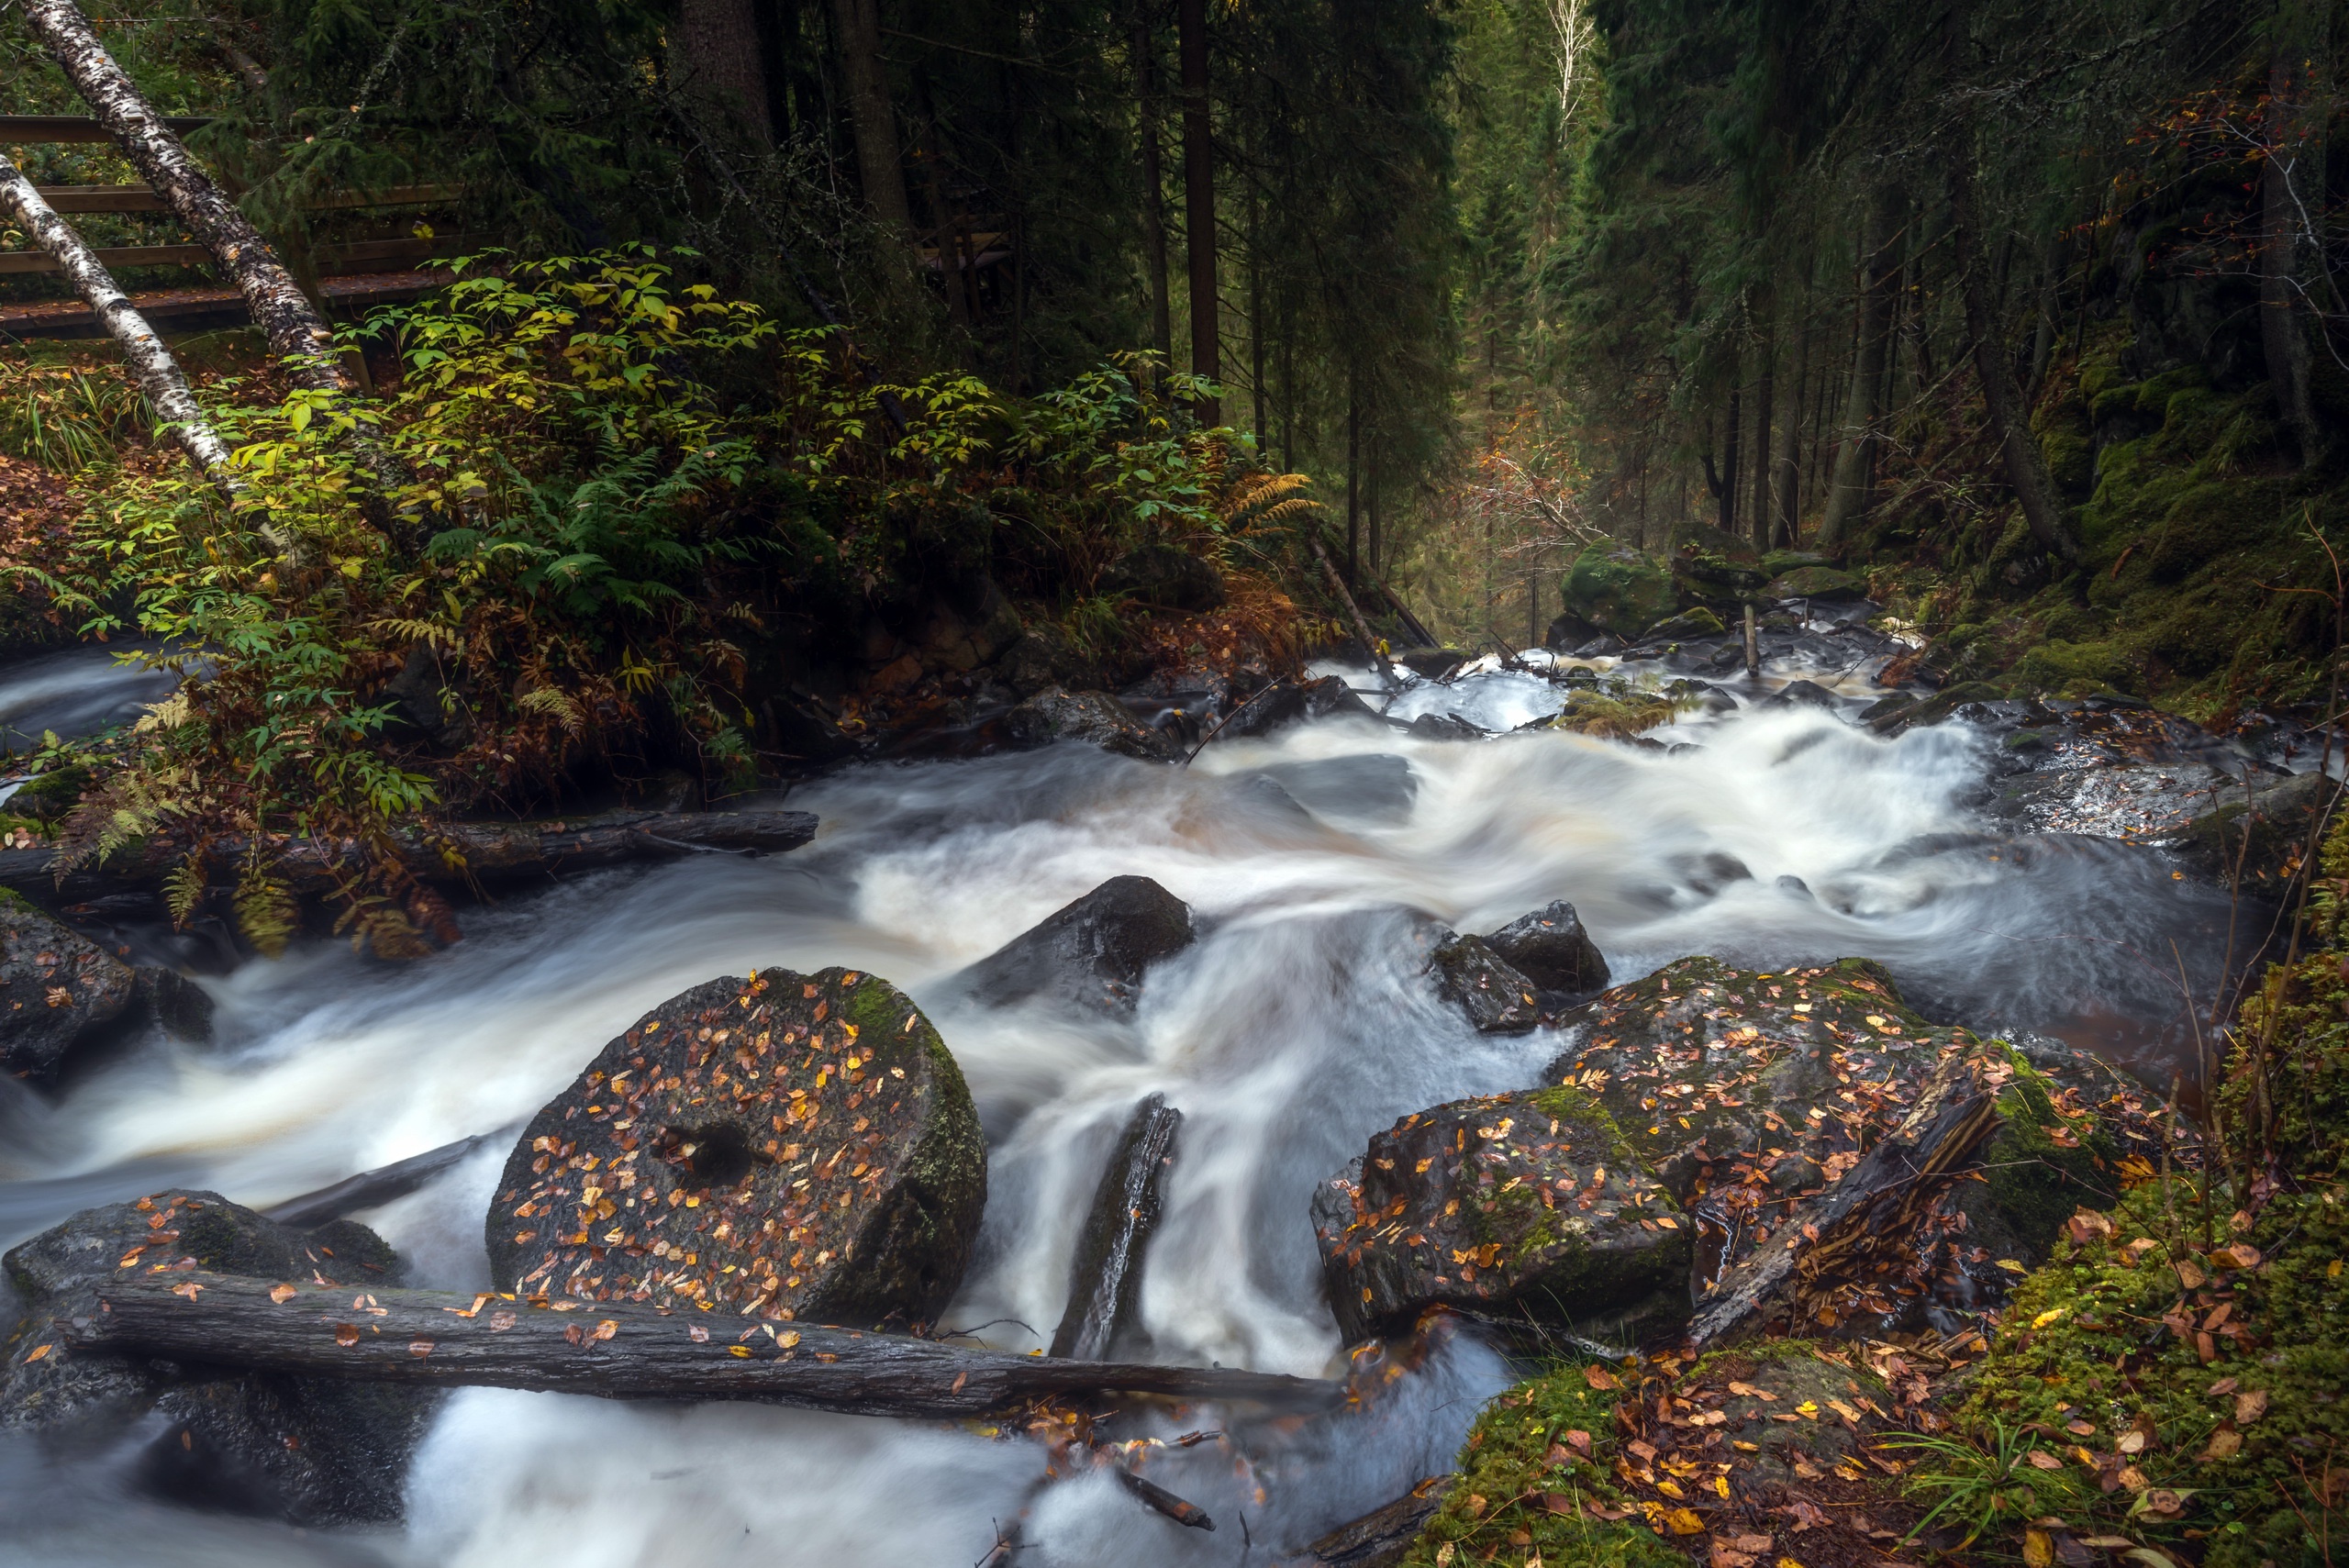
[1105,1282]
[1353,611]
[1954,1112]
[460,853]
[616,1352]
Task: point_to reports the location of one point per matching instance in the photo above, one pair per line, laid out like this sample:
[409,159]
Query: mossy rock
[1778,562]
[1619,590]
[790,1146]
[2074,669]
[1516,1458]
[1817,582]
[1527,1204]
[1687,625]
[2210,520]
[2071,461]
[2040,1168]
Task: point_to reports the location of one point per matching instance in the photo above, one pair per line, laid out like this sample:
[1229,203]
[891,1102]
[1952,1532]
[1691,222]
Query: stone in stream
[1286,702]
[1529,1204]
[1496,998]
[314,1450]
[56,990]
[1105,1275]
[791,1146]
[1090,954]
[1751,1094]
[1550,948]
[1094,718]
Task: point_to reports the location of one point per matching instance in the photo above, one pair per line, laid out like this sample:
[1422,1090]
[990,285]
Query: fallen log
[458,854]
[1382,1537]
[1151,1494]
[612,1352]
[1953,1113]
[1105,1281]
[369,1188]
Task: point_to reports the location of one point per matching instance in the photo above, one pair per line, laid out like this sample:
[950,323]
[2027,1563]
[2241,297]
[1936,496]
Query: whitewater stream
[1299,1023]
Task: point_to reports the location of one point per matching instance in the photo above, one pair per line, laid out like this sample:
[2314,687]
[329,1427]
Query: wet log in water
[617,1352]
[1883,1196]
[458,853]
[1380,1539]
[369,1188]
[1105,1282]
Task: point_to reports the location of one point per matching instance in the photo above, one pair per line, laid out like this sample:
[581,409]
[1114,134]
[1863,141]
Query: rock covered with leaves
[791,1146]
[1526,1204]
[56,988]
[1550,948]
[1495,997]
[316,1450]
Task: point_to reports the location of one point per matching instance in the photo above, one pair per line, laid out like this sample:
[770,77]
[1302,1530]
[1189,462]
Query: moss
[1516,1458]
[1619,590]
[2208,521]
[2076,669]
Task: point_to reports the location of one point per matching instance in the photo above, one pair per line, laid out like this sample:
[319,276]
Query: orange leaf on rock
[282,1293]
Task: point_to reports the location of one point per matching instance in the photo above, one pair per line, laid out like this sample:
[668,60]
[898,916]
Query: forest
[1233,608]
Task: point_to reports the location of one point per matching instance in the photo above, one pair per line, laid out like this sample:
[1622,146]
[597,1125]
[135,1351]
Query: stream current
[1299,1023]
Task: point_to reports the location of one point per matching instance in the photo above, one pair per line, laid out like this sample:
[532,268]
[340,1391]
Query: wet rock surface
[1286,702]
[313,1451]
[1550,948]
[1094,717]
[1496,998]
[1105,1275]
[1528,1206]
[791,1146]
[57,989]
[1090,954]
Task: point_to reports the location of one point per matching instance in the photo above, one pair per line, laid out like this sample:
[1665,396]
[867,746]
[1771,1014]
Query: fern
[557,706]
[183,889]
[266,912]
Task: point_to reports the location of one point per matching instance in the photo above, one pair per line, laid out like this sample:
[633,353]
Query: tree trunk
[296,333]
[152,365]
[1763,503]
[1879,265]
[1198,203]
[878,163]
[1153,192]
[613,1352]
[2026,469]
[1878,1198]
[1729,464]
[1353,484]
[487,852]
[2289,179]
[724,66]
[1786,519]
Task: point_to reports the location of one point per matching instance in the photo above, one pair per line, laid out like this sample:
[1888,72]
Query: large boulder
[315,1450]
[57,989]
[791,1146]
[1042,656]
[1094,717]
[1550,948]
[1817,583]
[1618,590]
[1167,577]
[1529,1204]
[1089,954]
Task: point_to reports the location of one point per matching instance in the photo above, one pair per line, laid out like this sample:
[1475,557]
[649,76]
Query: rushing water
[1297,1026]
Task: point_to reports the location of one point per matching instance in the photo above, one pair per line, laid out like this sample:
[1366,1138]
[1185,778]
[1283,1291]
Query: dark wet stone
[1444,727]
[1550,948]
[56,990]
[1094,718]
[1042,656]
[1496,998]
[1289,702]
[1379,786]
[1169,578]
[789,1146]
[1433,664]
[1527,1206]
[1090,954]
[1806,694]
[312,1451]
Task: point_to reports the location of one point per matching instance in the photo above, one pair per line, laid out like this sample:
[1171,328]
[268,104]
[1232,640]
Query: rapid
[1300,1023]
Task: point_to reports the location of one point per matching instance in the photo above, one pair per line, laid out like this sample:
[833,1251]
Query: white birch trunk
[152,365]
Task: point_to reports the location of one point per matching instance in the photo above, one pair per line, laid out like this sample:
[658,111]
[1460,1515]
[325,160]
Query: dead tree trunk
[616,1352]
[1153,190]
[2026,468]
[1953,1113]
[152,366]
[458,854]
[1765,396]
[1198,203]
[874,123]
[1847,487]
[1105,1279]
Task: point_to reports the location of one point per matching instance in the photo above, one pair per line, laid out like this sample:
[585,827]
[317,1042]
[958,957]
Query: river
[1299,1023]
